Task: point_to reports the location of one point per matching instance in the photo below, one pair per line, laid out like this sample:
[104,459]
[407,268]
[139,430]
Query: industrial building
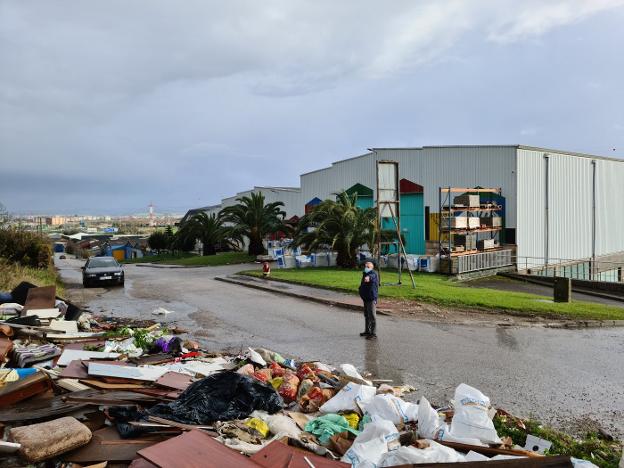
[557,206]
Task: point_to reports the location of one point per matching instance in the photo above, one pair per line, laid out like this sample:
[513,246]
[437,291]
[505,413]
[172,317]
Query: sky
[106,106]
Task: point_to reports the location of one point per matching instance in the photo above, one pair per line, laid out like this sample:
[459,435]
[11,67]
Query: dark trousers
[370,316]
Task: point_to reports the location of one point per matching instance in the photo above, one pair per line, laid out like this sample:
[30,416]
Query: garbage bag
[432,426]
[324,427]
[289,386]
[377,438]
[471,419]
[220,397]
[435,453]
[314,399]
[346,398]
[391,408]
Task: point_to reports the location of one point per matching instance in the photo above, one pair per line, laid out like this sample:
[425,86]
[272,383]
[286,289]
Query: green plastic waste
[326,426]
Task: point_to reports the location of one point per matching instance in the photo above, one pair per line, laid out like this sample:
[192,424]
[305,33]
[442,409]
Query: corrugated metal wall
[609,206]
[570,187]
[429,167]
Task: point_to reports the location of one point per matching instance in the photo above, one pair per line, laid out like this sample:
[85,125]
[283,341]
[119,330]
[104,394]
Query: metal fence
[583,268]
[484,261]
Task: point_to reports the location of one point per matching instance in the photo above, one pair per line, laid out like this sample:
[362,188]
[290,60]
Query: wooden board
[107,445]
[489,451]
[50,313]
[194,449]
[111,386]
[24,388]
[38,409]
[40,298]
[174,380]
[279,455]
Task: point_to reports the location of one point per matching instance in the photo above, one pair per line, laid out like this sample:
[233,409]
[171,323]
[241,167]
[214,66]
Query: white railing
[484,261]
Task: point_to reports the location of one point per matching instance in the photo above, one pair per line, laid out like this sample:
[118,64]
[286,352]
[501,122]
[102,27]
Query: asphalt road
[572,379]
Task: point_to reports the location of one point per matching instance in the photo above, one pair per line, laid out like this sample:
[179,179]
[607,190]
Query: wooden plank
[24,388]
[560,461]
[278,454]
[110,397]
[107,445]
[194,449]
[174,380]
[489,451]
[37,409]
[111,386]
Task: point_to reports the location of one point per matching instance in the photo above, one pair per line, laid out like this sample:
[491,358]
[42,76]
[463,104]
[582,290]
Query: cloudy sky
[108,105]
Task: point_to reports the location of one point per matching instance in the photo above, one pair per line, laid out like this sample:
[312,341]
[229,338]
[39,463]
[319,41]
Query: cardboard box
[470,201]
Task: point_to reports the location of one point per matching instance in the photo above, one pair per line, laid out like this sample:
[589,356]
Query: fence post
[562,289]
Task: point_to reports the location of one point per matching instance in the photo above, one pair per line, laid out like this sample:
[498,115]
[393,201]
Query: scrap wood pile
[78,390]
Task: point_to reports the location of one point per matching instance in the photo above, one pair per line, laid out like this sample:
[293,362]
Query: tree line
[338,225]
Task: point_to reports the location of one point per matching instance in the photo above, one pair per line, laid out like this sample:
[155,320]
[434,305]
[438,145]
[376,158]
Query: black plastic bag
[220,397]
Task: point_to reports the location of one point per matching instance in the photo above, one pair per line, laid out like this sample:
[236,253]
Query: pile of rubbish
[79,390]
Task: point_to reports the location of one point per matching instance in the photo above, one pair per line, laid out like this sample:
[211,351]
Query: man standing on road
[369,288]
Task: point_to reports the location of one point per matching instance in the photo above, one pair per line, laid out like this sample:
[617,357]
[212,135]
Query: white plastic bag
[471,419]
[429,422]
[350,371]
[377,438]
[348,397]
[432,426]
[386,406]
[435,453]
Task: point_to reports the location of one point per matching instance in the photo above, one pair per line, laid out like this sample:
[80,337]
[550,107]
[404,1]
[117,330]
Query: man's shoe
[364,334]
[371,337]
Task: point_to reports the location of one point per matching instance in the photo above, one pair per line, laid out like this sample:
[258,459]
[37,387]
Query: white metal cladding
[531,192]
[570,189]
[431,167]
[609,206]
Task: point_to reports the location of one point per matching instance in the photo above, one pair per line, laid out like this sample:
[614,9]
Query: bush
[25,248]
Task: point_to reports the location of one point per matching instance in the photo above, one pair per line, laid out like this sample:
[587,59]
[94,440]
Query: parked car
[102,270]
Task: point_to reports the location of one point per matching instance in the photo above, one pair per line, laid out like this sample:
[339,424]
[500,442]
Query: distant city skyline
[108,106]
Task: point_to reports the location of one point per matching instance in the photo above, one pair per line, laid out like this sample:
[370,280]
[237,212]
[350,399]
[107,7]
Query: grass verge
[440,290]
[222,258]
[593,447]
[11,274]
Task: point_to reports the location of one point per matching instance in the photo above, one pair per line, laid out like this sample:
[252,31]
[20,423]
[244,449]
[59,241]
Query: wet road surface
[568,378]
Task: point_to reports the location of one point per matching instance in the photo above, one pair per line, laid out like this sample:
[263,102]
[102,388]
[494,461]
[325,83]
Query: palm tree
[253,219]
[339,225]
[208,229]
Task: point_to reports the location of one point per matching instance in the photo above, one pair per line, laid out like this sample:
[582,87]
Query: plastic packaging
[324,427]
[350,371]
[220,397]
[391,408]
[377,438]
[348,396]
[353,419]
[288,389]
[259,426]
[435,453]
[471,419]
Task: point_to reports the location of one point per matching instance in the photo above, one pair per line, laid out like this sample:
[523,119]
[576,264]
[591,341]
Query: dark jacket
[368,290]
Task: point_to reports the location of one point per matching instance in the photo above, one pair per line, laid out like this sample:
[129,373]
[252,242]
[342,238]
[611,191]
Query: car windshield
[101,262]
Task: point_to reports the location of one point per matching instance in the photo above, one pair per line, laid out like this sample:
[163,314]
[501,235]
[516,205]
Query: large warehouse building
[557,205]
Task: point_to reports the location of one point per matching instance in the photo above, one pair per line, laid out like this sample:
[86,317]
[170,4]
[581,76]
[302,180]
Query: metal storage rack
[448,211]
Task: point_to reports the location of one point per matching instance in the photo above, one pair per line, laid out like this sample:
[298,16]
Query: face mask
[367,270]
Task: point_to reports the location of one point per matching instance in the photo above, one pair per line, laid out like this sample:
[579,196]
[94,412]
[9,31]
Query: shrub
[26,248]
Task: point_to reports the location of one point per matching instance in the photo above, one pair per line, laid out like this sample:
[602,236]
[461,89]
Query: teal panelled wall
[412,223]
